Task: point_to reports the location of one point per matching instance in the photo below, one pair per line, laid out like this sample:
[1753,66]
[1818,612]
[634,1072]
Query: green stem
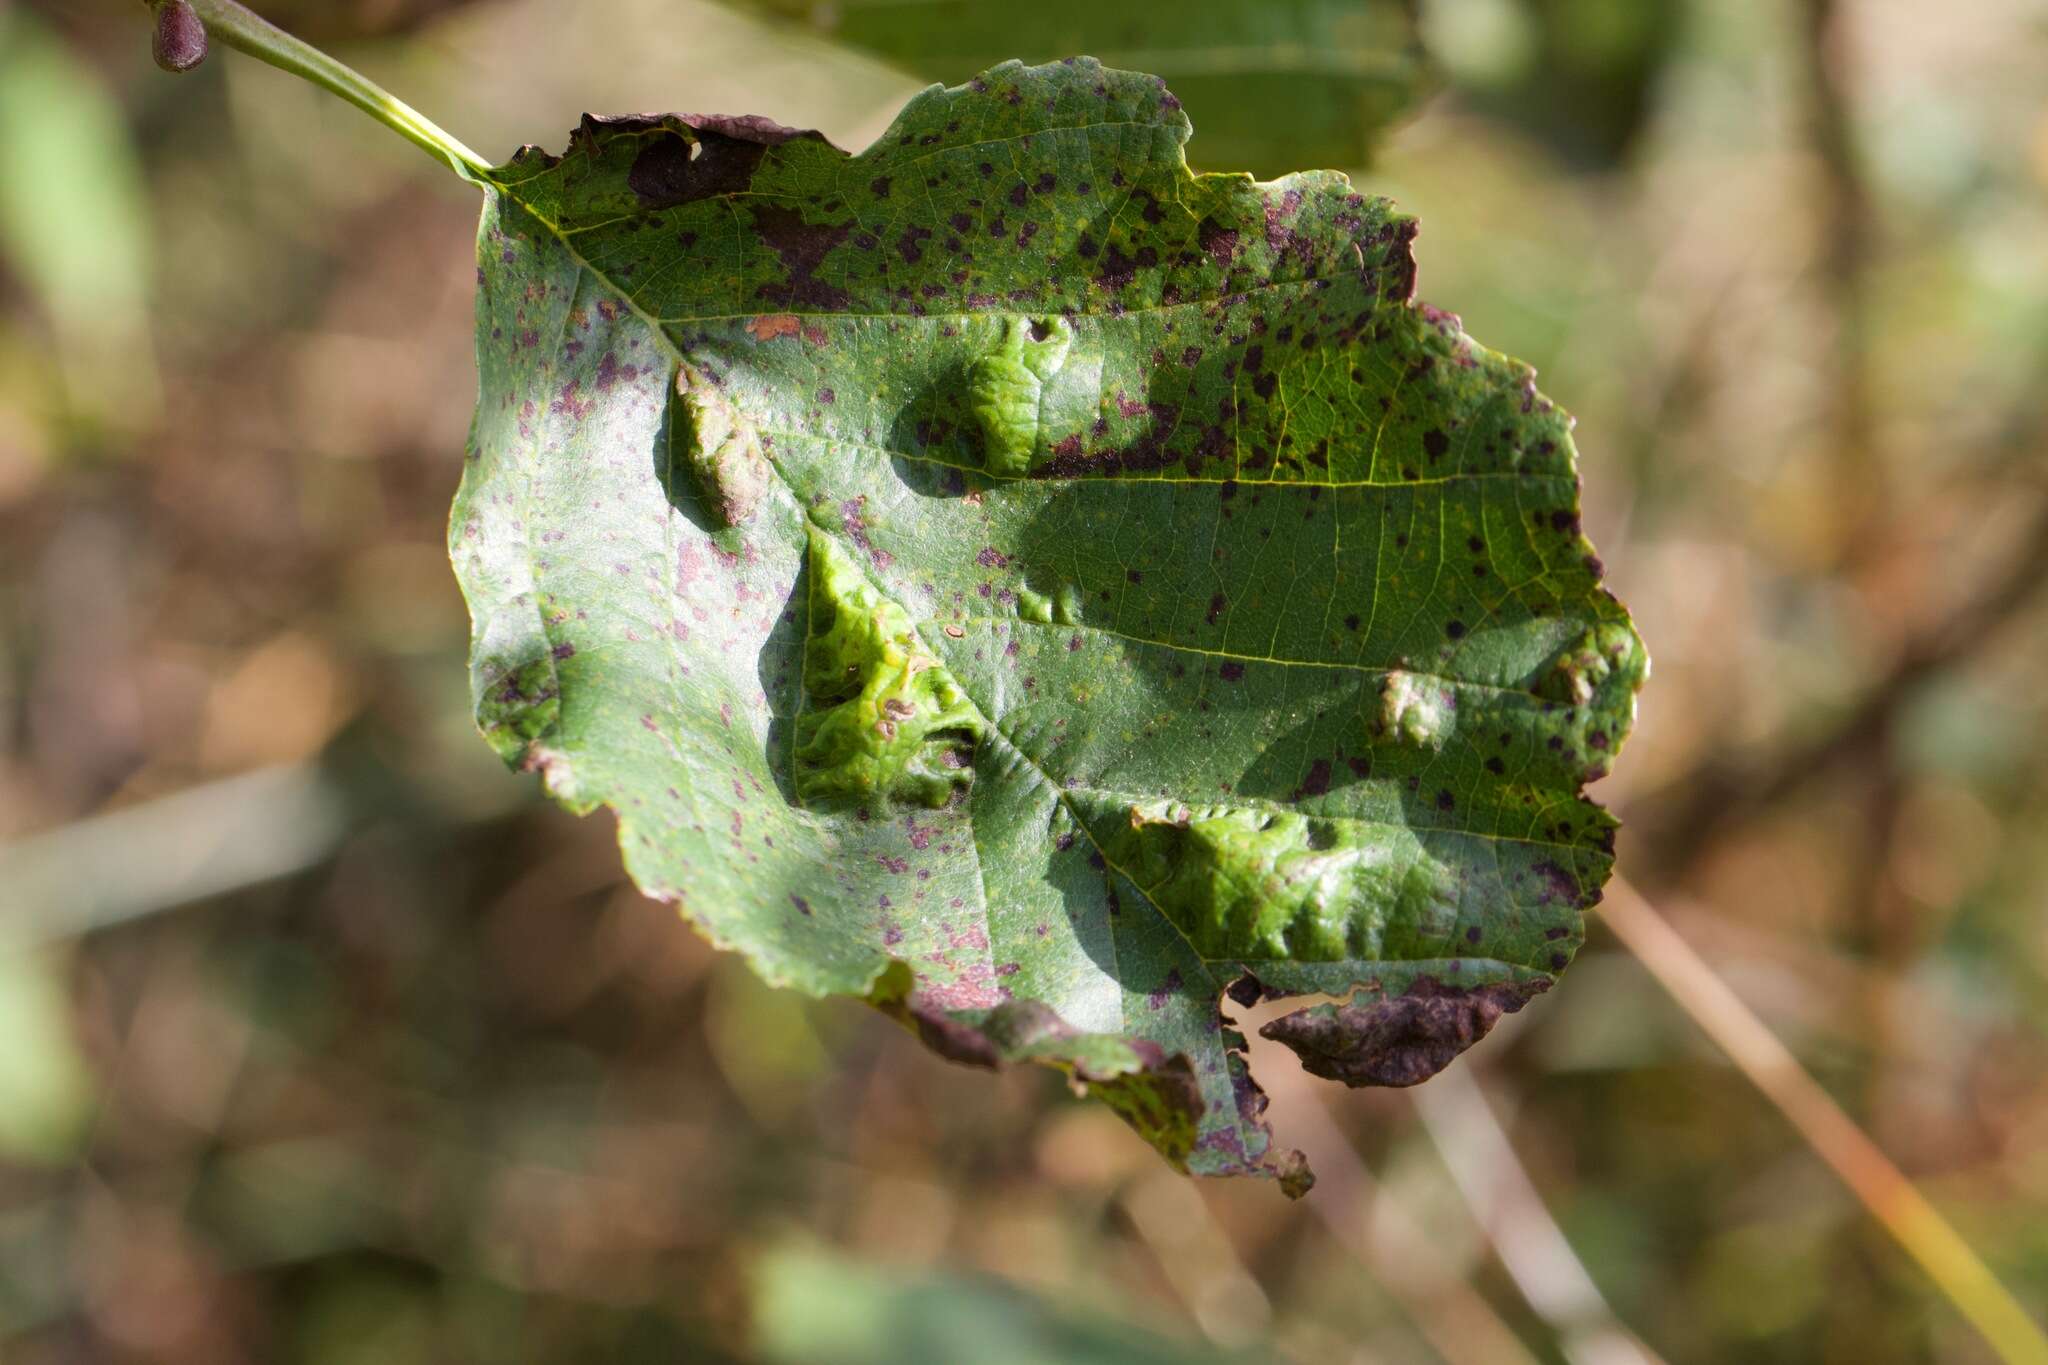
[239,27]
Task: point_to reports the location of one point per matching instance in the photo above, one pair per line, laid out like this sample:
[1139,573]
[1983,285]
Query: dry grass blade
[1532,1248]
[205,841]
[1381,1227]
[1870,1175]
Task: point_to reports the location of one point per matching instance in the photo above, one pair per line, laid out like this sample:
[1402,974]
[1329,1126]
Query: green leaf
[1272,85]
[75,217]
[1009,578]
[1576,76]
[815,1308]
[46,1080]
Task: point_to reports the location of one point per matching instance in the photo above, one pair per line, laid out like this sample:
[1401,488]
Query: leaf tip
[1402,1040]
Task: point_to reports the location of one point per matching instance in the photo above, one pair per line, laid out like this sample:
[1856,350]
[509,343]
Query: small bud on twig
[180,36]
[183,36]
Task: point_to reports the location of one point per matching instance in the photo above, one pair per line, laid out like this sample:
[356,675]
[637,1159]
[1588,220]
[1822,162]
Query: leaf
[1016,581]
[46,1081]
[76,224]
[1272,85]
[814,1308]
[1579,79]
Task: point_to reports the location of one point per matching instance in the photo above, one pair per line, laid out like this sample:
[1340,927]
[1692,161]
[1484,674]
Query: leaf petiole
[240,27]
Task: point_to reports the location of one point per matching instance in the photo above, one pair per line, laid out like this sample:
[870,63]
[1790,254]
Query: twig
[1688,815]
[1858,469]
[1870,1175]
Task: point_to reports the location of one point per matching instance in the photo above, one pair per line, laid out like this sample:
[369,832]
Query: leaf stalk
[243,29]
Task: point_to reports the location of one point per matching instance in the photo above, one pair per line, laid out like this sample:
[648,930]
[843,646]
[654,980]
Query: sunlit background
[323,1039]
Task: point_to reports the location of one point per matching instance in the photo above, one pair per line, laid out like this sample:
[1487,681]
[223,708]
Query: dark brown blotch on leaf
[1399,1041]
[1219,243]
[802,248]
[954,1039]
[1247,990]
[688,157]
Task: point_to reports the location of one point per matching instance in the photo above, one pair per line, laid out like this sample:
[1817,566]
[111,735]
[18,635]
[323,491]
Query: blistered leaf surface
[1007,577]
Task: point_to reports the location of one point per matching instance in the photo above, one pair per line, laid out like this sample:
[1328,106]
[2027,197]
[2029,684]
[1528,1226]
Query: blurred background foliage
[1277,86]
[323,1040]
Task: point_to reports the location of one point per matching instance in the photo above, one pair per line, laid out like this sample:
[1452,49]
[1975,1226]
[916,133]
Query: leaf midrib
[1067,480]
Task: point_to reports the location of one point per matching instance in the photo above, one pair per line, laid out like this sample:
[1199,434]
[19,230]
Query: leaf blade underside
[1009,578]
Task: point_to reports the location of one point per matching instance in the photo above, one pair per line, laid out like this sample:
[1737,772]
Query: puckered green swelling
[1016,581]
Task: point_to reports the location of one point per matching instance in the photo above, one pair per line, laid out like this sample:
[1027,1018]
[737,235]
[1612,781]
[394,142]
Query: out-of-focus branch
[1684,819]
[1870,1175]
[1857,473]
